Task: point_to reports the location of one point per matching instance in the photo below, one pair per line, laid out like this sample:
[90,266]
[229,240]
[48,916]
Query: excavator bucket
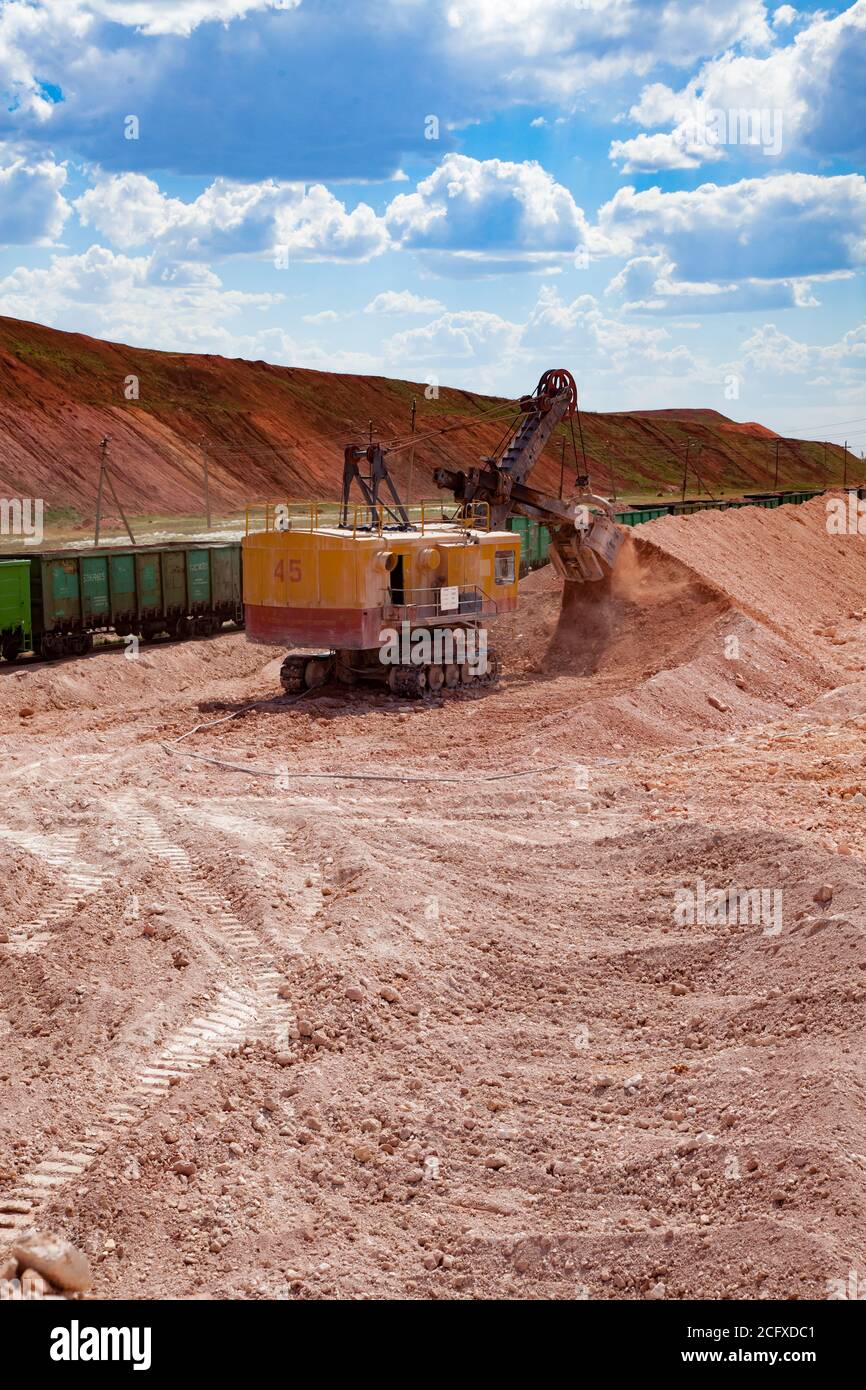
[604,539]
[586,554]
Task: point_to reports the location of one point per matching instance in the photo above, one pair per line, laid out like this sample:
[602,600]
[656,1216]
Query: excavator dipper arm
[585,539]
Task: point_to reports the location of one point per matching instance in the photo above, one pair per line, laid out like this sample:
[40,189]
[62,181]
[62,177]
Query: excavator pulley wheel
[554,382]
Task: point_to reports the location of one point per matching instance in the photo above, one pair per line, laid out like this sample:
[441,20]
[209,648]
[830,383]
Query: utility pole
[105,477]
[103,448]
[825,465]
[610,470]
[845,466]
[206,486]
[685,469]
[776,472]
[412,455]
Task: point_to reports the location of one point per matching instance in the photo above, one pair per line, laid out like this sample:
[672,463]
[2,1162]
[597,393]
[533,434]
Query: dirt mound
[779,565]
[687,641]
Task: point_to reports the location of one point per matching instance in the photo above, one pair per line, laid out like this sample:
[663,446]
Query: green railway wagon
[148,583]
[636,516]
[175,606]
[534,542]
[59,625]
[95,591]
[226,582]
[176,589]
[198,580]
[16,625]
[123,595]
[763,499]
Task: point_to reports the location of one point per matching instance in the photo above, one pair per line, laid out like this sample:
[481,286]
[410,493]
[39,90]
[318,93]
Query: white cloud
[172,16]
[812,88]
[770,350]
[564,47]
[231,218]
[203,70]
[319,228]
[470,335]
[402,302]
[648,284]
[645,154]
[121,297]
[32,207]
[784,226]
[488,211]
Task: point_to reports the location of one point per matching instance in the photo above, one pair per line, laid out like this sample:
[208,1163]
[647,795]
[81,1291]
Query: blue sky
[666,198]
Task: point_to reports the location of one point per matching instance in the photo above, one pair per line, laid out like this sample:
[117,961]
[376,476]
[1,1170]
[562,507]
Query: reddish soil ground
[280,432]
[291,1031]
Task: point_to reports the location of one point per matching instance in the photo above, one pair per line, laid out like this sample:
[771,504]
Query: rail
[363,519]
[454,601]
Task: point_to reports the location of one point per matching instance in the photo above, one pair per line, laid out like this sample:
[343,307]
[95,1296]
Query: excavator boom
[585,539]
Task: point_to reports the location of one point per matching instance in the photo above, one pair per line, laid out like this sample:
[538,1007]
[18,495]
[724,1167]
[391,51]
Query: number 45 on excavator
[335,582]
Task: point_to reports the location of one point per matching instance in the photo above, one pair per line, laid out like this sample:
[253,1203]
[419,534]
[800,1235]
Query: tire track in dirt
[249,1008]
[253,962]
[61,852]
[228,1023]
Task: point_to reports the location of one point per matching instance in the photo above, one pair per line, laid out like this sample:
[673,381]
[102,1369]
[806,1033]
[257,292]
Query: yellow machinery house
[361,598]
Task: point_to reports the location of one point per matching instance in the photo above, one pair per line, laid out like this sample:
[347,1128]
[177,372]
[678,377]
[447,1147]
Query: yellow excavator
[365,591]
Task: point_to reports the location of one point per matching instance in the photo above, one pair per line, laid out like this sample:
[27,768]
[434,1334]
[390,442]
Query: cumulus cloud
[648,284]
[468,336]
[477,344]
[783,16]
[32,207]
[811,90]
[170,16]
[230,218]
[772,351]
[205,69]
[784,226]
[563,49]
[488,210]
[645,154]
[122,297]
[402,302]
